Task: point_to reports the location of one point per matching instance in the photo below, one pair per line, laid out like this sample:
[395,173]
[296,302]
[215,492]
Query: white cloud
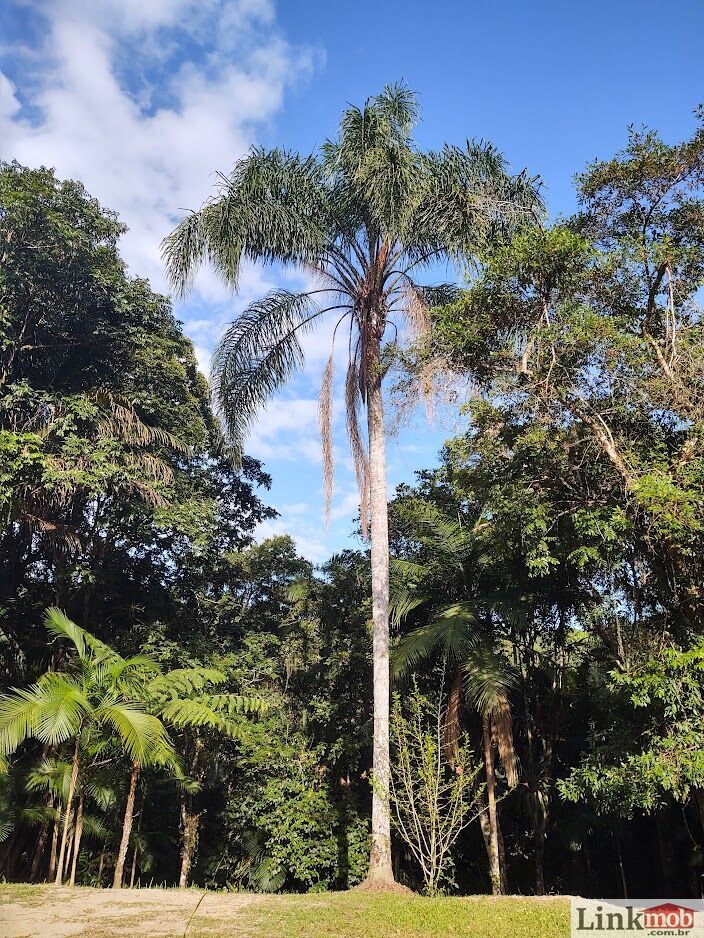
[146,140]
[308,544]
[287,429]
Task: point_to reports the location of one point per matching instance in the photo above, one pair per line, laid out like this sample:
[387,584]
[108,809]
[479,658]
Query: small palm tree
[364,216]
[462,633]
[93,697]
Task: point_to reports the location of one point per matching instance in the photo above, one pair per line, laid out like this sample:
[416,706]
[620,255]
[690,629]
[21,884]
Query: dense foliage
[200,708]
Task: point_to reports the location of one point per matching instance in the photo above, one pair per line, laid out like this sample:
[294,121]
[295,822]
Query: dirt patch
[149,913]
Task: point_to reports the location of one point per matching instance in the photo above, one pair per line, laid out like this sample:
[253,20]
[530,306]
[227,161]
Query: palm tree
[462,632]
[92,697]
[364,216]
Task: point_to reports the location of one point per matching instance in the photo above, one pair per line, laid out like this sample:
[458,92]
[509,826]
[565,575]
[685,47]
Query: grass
[100,913]
[354,915]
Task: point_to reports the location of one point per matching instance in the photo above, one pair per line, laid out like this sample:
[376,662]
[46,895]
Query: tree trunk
[69,848]
[494,861]
[101,864]
[380,868]
[39,851]
[67,815]
[126,828]
[135,852]
[54,846]
[190,823]
[133,872]
[77,841]
[539,827]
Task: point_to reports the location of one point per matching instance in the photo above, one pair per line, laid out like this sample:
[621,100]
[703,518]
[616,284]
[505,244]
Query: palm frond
[454,631]
[19,717]
[140,733]
[180,682]
[58,623]
[271,208]
[488,679]
[62,707]
[122,420]
[451,723]
[446,537]
[197,713]
[256,356]
[404,592]
[502,733]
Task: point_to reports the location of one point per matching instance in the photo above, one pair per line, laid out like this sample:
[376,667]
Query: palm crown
[364,215]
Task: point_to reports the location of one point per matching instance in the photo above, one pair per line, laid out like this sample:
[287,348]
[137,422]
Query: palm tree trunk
[69,847]
[67,815]
[126,828]
[133,872]
[380,869]
[135,852]
[77,841]
[190,841]
[54,846]
[494,860]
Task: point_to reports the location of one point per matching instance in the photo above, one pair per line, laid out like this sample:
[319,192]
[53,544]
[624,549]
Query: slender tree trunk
[101,864]
[135,852]
[190,822]
[133,871]
[126,828]
[69,847]
[54,846]
[39,851]
[68,815]
[77,841]
[494,860]
[380,868]
[503,868]
[539,828]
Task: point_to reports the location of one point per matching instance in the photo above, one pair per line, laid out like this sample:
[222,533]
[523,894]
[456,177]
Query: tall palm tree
[364,215]
[94,695]
[462,633]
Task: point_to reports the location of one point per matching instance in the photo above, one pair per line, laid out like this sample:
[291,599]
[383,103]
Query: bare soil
[149,913]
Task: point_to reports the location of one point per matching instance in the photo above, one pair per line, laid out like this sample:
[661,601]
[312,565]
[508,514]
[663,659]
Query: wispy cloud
[142,100]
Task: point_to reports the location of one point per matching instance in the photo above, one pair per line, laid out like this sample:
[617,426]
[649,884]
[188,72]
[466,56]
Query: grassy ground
[29,911]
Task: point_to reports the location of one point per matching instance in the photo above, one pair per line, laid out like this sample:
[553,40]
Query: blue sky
[143,99]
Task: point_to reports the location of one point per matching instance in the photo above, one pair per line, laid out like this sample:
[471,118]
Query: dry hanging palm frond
[416,312]
[121,420]
[502,735]
[452,719]
[324,424]
[357,447]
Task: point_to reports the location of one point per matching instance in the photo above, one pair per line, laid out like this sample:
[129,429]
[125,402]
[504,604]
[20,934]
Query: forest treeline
[181,704]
